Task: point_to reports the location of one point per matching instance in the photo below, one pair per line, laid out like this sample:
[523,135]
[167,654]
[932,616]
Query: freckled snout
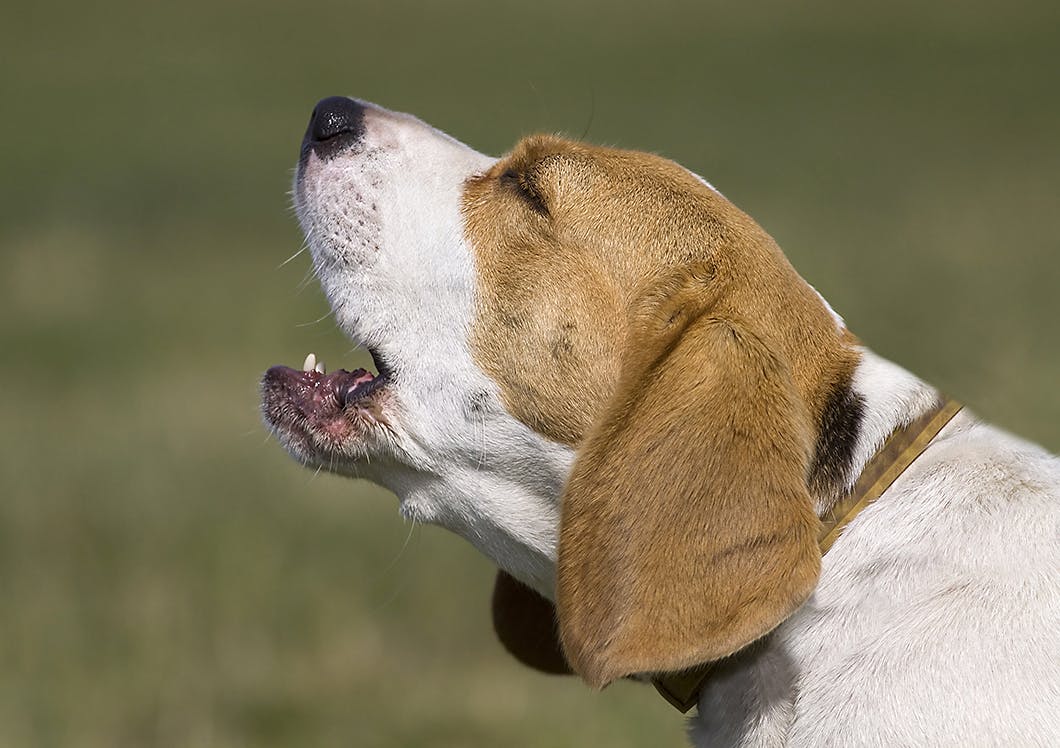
[337,123]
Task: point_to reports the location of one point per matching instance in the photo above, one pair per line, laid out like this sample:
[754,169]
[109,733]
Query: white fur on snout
[386,233]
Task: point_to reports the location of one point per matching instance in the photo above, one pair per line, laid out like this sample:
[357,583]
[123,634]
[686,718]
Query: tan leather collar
[897,453]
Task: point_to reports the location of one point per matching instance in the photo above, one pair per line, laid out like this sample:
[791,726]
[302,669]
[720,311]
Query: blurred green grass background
[168,577]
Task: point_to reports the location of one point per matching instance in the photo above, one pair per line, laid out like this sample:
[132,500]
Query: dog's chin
[327,420]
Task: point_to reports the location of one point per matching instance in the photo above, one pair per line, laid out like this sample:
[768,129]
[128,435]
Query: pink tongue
[361,376]
[352,383]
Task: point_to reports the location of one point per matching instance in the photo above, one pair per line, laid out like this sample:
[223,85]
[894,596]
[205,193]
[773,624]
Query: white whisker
[401,551]
[317,321]
[305,246]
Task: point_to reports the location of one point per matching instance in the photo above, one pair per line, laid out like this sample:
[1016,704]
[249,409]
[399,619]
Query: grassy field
[168,577]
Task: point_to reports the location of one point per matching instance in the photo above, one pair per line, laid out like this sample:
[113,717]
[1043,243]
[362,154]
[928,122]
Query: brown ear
[526,624]
[687,531]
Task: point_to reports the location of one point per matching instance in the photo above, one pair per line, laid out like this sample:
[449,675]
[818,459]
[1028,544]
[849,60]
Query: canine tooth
[319,368]
[310,362]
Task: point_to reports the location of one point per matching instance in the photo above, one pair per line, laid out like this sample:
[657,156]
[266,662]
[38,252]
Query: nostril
[334,116]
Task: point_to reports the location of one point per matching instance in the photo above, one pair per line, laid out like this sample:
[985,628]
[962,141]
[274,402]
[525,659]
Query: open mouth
[313,410]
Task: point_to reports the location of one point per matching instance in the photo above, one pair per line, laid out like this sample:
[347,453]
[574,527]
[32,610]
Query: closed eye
[525,188]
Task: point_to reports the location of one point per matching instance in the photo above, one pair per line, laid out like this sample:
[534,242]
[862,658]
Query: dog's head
[590,364]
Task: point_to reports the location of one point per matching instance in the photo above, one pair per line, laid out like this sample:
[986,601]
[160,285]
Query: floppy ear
[526,625]
[687,531]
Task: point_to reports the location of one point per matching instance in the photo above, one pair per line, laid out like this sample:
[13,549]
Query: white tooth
[320,368]
[310,362]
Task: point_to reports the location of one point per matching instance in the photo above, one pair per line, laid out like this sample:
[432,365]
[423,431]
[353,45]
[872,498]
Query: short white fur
[385,231]
[937,614]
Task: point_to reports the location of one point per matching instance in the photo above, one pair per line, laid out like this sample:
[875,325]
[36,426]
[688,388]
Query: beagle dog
[609,379]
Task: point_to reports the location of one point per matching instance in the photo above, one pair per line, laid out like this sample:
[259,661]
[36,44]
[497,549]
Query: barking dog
[606,377]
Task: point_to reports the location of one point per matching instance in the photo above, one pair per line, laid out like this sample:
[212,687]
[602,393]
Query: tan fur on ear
[526,625]
[687,531]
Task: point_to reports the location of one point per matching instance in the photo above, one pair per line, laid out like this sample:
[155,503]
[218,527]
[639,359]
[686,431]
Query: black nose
[336,122]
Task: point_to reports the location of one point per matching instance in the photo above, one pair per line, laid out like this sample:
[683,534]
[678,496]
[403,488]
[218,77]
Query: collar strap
[902,447]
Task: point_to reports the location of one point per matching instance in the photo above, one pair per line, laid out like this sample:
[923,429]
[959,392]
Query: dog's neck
[902,447]
[881,398]
[512,517]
